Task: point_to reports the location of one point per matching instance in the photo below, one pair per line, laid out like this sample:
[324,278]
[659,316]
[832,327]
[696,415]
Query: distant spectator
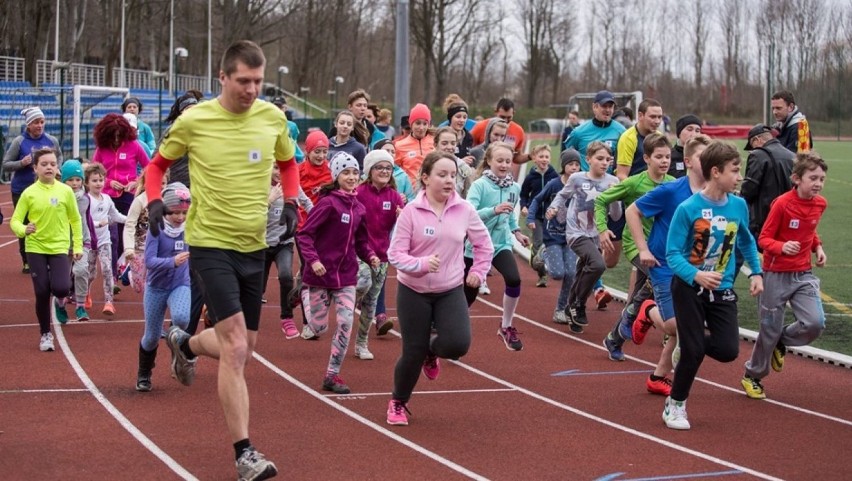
[572,121]
[133,105]
[686,128]
[19,161]
[794,132]
[767,175]
[383,123]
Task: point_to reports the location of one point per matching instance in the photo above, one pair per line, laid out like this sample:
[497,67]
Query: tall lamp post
[282,70]
[304,92]
[338,82]
[180,53]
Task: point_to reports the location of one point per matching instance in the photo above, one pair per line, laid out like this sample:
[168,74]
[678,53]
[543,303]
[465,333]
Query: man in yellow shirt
[232,142]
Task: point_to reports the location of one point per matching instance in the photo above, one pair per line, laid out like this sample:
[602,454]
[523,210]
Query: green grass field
[837,294]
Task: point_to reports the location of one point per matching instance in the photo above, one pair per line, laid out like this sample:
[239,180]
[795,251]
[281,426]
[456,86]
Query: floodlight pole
[402,80]
[160,76]
[62,67]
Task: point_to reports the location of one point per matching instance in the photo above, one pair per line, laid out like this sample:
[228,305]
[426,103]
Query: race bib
[344,218]
[429,231]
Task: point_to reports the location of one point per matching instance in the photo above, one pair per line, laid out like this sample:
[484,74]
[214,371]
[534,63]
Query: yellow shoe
[777,361]
[753,388]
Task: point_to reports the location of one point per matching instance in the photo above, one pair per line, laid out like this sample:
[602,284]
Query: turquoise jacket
[484,195]
[403,184]
[146,137]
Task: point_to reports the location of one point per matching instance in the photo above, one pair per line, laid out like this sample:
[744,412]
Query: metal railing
[12,69]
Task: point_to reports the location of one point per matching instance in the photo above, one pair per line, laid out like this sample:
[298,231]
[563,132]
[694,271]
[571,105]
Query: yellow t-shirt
[230,167]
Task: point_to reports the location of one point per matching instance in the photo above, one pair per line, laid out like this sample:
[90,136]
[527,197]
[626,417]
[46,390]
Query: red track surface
[497,414]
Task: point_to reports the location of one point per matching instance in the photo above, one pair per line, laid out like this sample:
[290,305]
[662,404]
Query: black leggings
[451,318]
[282,256]
[51,274]
[505,264]
[693,307]
[22,246]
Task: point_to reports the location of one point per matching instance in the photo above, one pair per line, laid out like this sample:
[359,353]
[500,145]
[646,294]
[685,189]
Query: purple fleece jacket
[381,206]
[333,233]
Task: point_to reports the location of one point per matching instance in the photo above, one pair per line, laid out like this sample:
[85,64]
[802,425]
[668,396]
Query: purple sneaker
[509,336]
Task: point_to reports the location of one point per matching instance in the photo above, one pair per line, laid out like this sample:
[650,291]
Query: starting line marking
[37,391]
[418,393]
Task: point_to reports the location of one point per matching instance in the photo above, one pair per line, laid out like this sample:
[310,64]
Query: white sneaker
[308,334]
[559,316]
[361,352]
[46,342]
[484,290]
[674,414]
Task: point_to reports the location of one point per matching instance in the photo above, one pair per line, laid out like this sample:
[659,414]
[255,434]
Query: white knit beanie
[31,114]
[340,162]
[374,157]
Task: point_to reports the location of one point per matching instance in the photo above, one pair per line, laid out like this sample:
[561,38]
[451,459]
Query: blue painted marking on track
[614,476]
[576,372]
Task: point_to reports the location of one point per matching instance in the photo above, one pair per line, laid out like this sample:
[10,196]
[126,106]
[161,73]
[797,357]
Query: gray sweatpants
[590,268]
[801,290]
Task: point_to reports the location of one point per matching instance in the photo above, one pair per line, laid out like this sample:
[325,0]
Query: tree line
[711,58]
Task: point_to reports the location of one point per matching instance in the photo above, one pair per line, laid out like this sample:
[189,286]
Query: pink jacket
[420,233]
[121,164]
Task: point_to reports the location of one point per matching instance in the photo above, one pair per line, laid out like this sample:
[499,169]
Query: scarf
[172,231]
[502,183]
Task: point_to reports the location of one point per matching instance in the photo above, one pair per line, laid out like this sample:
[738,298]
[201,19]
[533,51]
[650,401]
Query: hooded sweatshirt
[478,152]
[534,183]
[484,195]
[381,206]
[351,147]
[334,232]
[420,233]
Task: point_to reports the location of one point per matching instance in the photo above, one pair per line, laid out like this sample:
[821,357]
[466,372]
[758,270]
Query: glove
[156,210]
[289,218]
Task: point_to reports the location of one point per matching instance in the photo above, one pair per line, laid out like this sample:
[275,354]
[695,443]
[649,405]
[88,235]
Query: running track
[559,409]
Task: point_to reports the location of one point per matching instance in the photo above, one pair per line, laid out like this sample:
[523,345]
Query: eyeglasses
[383,169]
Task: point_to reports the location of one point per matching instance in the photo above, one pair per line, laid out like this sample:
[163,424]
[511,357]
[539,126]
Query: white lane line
[642,361]
[14,241]
[38,391]
[607,422]
[114,411]
[388,394]
[361,419]
[72,323]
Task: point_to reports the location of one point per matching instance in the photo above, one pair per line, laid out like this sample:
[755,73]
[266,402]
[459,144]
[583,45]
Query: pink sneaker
[288,327]
[431,367]
[383,324]
[396,413]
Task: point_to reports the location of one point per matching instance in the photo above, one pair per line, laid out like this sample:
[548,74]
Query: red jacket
[791,218]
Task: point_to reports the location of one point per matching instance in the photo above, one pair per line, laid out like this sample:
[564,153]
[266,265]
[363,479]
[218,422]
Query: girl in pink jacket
[427,250]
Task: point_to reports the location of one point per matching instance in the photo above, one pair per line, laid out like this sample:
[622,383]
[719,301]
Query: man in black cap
[767,175]
[686,128]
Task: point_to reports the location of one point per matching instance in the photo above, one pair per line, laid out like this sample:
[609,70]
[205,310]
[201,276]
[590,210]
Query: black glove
[289,217]
[156,210]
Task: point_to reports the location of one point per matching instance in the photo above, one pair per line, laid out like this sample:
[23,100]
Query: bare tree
[541,20]
[441,29]
[700,33]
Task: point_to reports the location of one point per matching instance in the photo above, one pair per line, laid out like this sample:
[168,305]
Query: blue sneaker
[61,313]
[81,314]
[625,330]
[614,348]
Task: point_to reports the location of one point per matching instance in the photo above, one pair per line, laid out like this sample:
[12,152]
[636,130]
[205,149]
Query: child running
[657,155]
[50,208]
[103,213]
[788,238]
[494,196]
[446,140]
[581,233]
[558,259]
[659,206]
[72,176]
[334,232]
[535,181]
[708,231]
[167,282]
[383,204]
[280,250]
[135,232]
[426,250]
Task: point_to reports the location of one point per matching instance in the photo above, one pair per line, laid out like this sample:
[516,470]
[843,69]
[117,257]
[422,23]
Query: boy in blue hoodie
[534,182]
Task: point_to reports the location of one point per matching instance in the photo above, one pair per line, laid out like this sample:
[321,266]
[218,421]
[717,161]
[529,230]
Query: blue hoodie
[554,231]
[534,183]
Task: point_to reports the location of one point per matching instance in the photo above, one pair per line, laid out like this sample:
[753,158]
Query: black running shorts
[232,281]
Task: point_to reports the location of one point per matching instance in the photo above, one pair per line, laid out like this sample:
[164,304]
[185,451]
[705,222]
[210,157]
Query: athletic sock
[242,446]
[184,348]
[509,305]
